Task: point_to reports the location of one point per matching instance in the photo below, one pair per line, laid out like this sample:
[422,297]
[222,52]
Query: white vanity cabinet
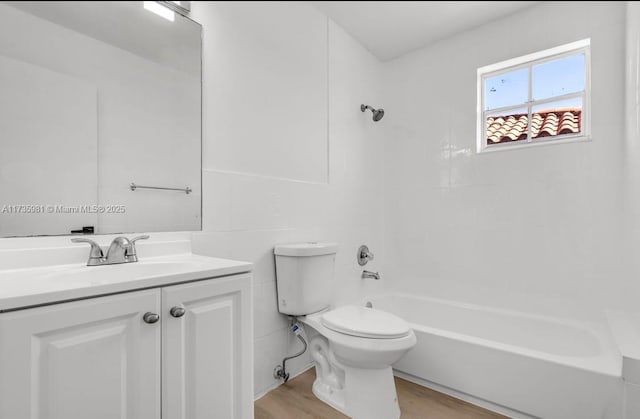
[207,352]
[98,358]
[93,358]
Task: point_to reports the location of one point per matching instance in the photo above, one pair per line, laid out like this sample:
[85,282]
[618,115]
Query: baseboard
[496,408]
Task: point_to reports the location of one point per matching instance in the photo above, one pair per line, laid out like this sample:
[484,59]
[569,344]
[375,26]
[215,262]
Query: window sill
[539,143]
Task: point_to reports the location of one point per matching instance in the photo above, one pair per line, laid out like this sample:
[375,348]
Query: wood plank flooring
[294,400]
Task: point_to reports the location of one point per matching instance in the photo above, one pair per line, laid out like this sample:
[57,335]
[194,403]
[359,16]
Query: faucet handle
[144,237]
[95,253]
[364,255]
[132,246]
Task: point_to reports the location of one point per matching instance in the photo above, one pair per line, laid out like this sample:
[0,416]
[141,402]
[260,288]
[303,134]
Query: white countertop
[50,284]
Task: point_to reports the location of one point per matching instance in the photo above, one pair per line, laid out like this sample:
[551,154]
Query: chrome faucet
[121,250]
[370,275]
[364,255]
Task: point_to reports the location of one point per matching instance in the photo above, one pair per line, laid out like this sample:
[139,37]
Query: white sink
[45,285]
[98,275]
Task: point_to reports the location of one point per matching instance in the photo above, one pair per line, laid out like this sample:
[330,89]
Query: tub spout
[370,275]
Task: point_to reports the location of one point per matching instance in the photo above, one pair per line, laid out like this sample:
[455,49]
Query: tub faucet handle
[364,255]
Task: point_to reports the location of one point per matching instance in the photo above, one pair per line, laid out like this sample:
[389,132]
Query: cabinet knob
[177,311]
[150,317]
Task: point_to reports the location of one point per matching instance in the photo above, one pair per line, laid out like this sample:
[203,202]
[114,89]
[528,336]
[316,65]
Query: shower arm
[377,113]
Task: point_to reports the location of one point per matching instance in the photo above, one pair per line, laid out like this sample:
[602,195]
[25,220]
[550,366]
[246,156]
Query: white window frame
[529,61]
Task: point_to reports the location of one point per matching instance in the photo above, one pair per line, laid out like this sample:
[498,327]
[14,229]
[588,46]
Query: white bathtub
[540,366]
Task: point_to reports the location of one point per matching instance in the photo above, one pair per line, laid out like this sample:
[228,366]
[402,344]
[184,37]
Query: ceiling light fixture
[160,10]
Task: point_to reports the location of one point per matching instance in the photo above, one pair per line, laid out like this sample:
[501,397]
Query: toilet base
[364,394]
[354,374]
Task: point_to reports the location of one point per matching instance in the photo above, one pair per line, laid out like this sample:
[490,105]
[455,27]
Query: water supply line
[280,371]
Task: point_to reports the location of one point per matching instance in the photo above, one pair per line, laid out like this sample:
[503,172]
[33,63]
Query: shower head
[377,113]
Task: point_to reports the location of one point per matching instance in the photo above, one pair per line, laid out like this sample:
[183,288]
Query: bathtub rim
[607,362]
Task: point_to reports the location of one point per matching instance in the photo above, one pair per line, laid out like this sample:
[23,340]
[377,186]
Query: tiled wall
[536,229]
[288,156]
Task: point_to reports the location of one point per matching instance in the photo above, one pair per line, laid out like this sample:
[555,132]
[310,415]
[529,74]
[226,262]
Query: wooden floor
[294,400]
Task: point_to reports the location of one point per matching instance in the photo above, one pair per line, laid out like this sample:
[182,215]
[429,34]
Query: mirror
[95,97]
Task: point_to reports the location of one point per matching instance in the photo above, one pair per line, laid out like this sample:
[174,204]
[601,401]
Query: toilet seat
[365,323]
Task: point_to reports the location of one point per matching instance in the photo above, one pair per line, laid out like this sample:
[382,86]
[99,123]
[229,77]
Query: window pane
[506,89]
[557,118]
[559,77]
[507,127]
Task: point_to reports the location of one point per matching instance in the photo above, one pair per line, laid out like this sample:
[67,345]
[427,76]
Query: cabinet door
[207,352]
[93,358]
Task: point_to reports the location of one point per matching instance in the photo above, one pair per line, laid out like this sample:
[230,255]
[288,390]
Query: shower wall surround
[539,229]
[288,155]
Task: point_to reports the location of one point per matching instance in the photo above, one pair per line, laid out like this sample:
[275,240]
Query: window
[539,98]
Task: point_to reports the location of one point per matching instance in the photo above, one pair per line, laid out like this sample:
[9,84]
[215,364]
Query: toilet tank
[304,276]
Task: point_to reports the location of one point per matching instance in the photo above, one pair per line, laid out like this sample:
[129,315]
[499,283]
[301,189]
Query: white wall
[632,149]
[273,120]
[537,229]
[260,188]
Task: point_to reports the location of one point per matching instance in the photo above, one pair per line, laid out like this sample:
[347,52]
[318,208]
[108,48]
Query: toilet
[355,346]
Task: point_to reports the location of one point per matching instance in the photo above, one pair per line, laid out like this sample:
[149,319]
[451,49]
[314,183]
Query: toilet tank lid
[306,249]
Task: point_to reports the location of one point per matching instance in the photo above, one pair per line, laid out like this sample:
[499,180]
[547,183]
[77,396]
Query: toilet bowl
[355,346]
[353,351]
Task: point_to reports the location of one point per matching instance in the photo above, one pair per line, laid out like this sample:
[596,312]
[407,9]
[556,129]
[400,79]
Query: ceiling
[390,29]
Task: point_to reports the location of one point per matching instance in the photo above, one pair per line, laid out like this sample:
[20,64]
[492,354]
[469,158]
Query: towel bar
[186,190]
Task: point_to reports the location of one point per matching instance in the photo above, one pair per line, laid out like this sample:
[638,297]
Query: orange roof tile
[506,128]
